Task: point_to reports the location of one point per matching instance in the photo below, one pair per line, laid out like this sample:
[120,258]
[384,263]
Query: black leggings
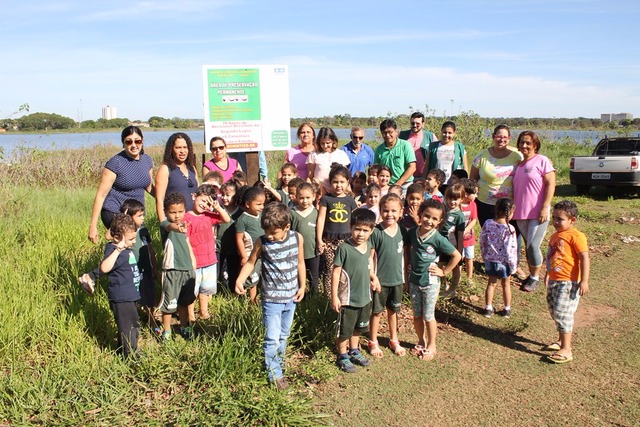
[126,316]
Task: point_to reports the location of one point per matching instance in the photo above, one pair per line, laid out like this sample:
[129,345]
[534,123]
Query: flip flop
[559,358]
[554,346]
[427,355]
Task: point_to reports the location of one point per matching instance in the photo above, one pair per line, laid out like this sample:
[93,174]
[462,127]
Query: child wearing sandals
[352,280]
[387,241]
[498,244]
[567,278]
[423,245]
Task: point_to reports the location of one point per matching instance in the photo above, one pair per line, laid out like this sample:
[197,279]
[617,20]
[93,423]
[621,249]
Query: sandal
[417,350]
[559,358]
[554,346]
[398,350]
[374,349]
[426,355]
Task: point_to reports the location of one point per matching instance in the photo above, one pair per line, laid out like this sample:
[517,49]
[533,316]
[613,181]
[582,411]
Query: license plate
[600,176]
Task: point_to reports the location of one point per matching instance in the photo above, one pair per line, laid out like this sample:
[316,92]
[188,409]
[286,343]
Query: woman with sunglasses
[127,175]
[177,173]
[220,161]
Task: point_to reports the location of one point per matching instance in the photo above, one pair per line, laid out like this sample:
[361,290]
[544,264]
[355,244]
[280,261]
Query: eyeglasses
[359,138]
[132,141]
[218,148]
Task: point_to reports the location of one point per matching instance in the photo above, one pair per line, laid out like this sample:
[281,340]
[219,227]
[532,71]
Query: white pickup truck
[614,163]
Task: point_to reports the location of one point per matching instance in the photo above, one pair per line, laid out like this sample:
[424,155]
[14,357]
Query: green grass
[57,351]
[57,345]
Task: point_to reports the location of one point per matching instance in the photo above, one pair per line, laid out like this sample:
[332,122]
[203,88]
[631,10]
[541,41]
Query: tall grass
[57,353]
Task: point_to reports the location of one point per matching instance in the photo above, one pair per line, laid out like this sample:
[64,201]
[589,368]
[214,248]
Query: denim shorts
[497,269]
[469,252]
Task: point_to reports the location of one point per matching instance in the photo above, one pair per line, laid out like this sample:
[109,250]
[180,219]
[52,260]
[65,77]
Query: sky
[497,58]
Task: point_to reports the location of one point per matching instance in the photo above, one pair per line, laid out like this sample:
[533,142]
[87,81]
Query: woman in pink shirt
[534,185]
[298,155]
[220,161]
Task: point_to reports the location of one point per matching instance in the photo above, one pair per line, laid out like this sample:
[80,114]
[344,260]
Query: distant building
[616,117]
[109,112]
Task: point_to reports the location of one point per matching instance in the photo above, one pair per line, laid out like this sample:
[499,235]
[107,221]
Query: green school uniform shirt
[355,266]
[389,255]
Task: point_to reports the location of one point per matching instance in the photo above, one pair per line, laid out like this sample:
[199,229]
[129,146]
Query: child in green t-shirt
[352,280]
[423,246]
[387,241]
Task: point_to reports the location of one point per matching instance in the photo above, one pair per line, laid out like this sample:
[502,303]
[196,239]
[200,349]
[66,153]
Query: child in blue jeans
[283,284]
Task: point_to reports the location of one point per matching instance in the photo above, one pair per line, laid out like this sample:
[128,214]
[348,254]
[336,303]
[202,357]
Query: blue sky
[531,58]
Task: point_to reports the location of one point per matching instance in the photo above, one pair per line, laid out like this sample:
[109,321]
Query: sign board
[248,106]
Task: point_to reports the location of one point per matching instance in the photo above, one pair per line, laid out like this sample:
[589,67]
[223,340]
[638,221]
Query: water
[9,142]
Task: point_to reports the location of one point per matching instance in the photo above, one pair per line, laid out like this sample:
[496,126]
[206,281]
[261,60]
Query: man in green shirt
[395,153]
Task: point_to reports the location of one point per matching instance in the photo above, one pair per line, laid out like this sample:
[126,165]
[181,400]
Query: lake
[57,141]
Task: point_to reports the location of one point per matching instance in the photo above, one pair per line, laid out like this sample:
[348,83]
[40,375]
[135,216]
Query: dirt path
[491,372]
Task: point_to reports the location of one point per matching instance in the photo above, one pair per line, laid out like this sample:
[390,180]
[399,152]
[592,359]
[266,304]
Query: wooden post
[253,167]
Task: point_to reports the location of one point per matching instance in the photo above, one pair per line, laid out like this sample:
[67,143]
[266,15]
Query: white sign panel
[248,106]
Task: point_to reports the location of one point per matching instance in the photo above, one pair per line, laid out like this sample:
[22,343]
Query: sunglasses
[132,141]
[189,183]
[218,148]
[358,138]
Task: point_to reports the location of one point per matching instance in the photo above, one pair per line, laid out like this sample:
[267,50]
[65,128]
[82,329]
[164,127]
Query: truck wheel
[582,190]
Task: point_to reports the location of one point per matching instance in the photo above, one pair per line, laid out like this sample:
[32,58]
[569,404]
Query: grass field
[59,365]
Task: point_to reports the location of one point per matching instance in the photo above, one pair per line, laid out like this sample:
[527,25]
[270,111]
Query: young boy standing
[283,284]
[178,267]
[567,278]
[453,229]
[387,241]
[124,281]
[351,297]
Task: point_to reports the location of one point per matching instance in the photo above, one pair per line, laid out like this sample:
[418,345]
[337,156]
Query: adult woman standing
[534,185]
[177,173]
[298,155]
[127,175]
[493,168]
[220,161]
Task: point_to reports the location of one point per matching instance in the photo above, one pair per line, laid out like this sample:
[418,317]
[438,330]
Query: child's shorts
[178,289]
[206,280]
[423,300]
[562,300]
[353,320]
[147,290]
[469,252]
[389,297]
[497,269]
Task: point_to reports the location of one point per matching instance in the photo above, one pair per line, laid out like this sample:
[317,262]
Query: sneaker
[281,383]
[187,332]
[87,284]
[506,313]
[346,365]
[488,312]
[529,285]
[166,336]
[358,358]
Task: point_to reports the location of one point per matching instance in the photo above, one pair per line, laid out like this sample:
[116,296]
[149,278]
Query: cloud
[148,9]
